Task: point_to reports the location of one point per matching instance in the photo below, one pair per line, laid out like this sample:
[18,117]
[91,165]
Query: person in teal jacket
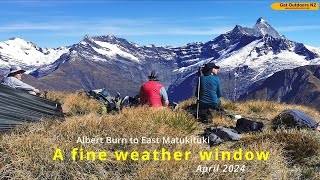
[210,87]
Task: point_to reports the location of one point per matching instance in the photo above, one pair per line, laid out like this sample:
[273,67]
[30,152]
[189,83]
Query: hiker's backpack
[245,125]
[104,97]
[98,94]
[218,135]
[294,118]
[128,101]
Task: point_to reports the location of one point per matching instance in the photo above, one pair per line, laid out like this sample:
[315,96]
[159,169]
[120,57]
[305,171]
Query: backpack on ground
[129,101]
[294,118]
[104,97]
[245,125]
[218,135]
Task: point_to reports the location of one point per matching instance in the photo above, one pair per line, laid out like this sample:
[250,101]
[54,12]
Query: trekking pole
[198,93]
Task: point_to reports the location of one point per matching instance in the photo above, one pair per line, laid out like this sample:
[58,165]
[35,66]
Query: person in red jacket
[153,93]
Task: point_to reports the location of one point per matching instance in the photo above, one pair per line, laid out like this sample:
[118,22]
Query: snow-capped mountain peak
[17,51]
[110,36]
[243,31]
[264,28]
[19,43]
[107,47]
[261,20]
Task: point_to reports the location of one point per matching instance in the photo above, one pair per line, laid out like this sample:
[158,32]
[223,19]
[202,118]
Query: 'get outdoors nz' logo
[295,6]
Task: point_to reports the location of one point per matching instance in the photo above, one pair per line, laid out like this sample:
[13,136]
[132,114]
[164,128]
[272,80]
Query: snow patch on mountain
[315,50]
[17,51]
[113,50]
[237,58]
[248,56]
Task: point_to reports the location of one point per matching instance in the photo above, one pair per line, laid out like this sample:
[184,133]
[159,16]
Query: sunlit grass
[26,152]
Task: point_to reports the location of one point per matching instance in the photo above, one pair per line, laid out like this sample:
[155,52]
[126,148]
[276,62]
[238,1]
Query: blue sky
[56,23]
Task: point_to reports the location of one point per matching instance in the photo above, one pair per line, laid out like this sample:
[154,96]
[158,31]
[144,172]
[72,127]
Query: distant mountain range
[247,56]
[16,51]
[297,86]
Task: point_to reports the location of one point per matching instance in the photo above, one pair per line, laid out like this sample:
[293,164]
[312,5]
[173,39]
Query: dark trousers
[208,111]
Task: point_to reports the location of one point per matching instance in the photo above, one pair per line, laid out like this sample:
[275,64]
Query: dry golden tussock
[27,152]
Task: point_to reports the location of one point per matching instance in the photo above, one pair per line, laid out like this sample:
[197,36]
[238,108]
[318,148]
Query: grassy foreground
[27,152]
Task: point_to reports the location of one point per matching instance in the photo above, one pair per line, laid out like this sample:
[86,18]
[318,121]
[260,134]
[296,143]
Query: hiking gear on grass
[99,94]
[245,125]
[128,101]
[218,135]
[294,118]
[174,106]
[104,97]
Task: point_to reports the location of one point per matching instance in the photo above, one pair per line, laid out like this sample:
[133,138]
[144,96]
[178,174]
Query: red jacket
[150,94]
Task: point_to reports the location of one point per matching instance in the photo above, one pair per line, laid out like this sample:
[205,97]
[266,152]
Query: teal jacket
[210,90]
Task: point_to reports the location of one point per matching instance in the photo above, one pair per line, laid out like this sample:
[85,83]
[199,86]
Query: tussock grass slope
[27,152]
